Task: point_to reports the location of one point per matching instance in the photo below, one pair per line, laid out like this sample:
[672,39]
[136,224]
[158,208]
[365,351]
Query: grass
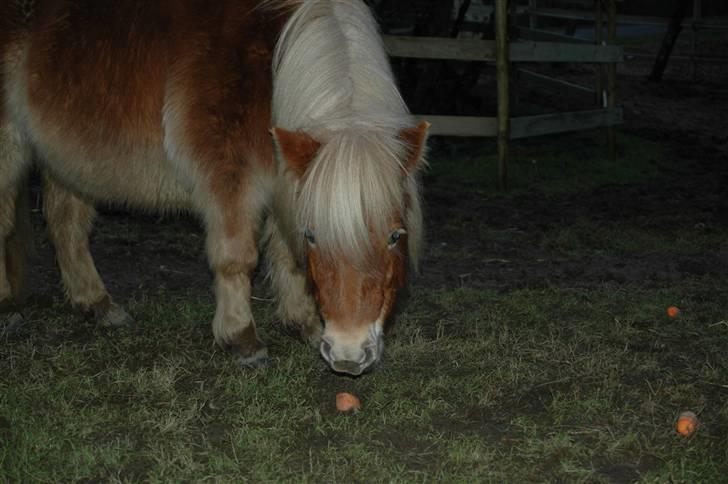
[574,162]
[543,383]
[584,235]
[533,384]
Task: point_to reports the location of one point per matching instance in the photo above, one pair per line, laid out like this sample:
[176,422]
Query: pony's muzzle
[351,361]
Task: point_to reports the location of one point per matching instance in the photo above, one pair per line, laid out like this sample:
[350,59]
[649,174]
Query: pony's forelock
[332,80]
[351,193]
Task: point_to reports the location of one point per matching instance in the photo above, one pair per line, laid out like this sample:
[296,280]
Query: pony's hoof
[111,315]
[13,324]
[246,348]
[258,359]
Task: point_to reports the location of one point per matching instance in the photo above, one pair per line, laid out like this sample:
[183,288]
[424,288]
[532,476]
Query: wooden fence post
[697,17]
[514,78]
[612,77]
[673,30]
[502,68]
[598,40]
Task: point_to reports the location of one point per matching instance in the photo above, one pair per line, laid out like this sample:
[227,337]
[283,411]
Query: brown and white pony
[169,104]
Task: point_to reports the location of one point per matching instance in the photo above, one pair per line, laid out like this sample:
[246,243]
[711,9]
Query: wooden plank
[440,48]
[503,80]
[628,56]
[525,33]
[707,23]
[484,50]
[601,73]
[522,127]
[532,19]
[560,83]
[697,16]
[560,52]
[586,16]
[461,125]
[527,126]
[716,21]
[668,42]
[488,10]
[514,77]
[583,3]
[612,77]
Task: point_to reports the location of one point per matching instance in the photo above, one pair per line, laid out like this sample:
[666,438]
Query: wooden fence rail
[523,126]
[539,46]
[485,50]
[709,23]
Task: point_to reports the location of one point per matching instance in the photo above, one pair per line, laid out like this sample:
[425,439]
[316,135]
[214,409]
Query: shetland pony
[277,122]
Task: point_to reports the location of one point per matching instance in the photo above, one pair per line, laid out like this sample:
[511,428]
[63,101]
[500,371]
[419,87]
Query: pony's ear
[298,149]
[415,139]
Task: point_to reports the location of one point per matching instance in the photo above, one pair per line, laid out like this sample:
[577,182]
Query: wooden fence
[532,45]
[696,24]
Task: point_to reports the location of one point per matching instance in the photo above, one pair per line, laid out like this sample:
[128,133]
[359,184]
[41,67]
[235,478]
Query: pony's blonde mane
[332,80]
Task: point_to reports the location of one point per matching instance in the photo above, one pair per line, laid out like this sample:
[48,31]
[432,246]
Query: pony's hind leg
[70,219]
[14,216]
[7,222]
[296,306]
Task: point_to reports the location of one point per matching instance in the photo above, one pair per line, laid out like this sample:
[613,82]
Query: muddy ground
[478,238]
[686,118]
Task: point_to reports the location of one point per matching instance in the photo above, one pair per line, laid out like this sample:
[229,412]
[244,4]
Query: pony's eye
[308,234]
[395,236]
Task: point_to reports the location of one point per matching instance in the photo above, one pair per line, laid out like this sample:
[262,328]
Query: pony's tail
[19,245]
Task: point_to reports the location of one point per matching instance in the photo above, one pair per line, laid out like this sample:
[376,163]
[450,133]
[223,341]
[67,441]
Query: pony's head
[357,223]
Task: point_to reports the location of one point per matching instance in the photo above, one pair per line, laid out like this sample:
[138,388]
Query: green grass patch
[574,162]
[476,386]
[548,382]
[584,236]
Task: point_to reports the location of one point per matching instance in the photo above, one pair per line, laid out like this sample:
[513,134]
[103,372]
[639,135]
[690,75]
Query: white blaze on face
[352,349]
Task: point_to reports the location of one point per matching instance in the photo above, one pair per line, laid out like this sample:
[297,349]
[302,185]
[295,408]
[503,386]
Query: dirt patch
[483,240]
[475,420]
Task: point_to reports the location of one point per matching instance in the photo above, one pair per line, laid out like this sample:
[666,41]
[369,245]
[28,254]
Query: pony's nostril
[326,350]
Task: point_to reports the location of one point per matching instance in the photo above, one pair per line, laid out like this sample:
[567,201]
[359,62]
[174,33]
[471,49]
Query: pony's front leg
[233,254]
[296,306]
[70,219]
